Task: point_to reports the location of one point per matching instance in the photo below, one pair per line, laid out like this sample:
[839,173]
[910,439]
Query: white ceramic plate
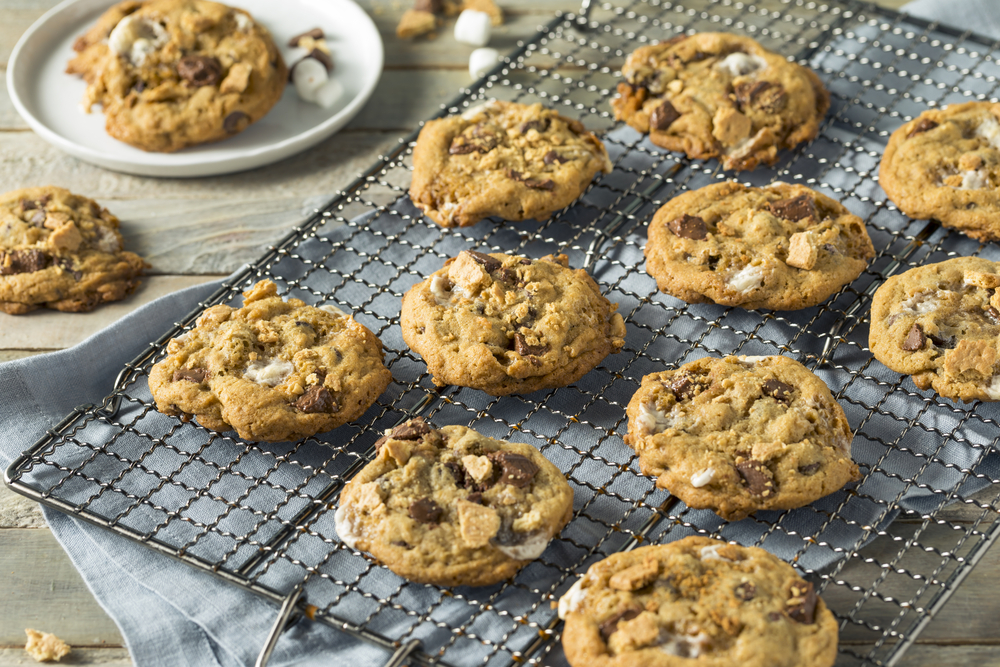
[49,99]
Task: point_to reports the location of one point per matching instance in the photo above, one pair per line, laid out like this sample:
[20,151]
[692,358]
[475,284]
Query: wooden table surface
[193,231]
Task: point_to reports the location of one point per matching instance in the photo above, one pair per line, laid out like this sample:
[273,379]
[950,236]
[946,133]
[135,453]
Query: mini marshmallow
[308,76]
[473,27]
[329,93]
[482,61]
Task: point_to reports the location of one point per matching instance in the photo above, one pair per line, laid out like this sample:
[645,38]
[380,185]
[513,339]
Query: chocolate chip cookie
[719,95]
[63,251]
[945,164]
[741,434]
[782,247]
[507,324]
[697,601]
[505,159]
[940,324]
[176,73]
[272,370]
[452,507]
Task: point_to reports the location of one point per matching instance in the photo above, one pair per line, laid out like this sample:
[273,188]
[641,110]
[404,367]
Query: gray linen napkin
[171,614]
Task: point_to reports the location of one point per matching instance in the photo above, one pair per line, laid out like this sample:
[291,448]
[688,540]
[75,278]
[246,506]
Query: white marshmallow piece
[308,76]
[473,27]
[482,61]
[135,38]
[329,93]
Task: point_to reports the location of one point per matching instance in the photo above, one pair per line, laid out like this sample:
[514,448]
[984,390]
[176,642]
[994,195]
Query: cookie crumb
[44,646]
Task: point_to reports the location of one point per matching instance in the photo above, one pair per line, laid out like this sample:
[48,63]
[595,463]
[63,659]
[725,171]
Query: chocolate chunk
[764,95]
[28,204]
[610,625]
[777,389]
[525,262]
[23,261]
[414,429]
[915,339]
[684,387]
[323,57]
[794,209]
[196,375]
[943,343]
[475,497]
[432,6]
[381,441]
[510,276]
[540,125]
[521,347]
[993,314]
[745,591]
[663,116]
[805,610]
[552,157]
[199,70]
[38,217]
[488,263]
[315,33]
[757,477]
[425,510]
[235,122]
[809,468]
[316,399]
[547,184]
[774,616]
[481,143]
[518,470]
[401,543]
[458,472]
[688,227]
[139,86]
[67,266]
[922,125]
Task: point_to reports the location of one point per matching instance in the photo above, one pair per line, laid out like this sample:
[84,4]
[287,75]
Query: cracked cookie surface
[62,251]
[272,370]
[940,324]
[945,164]
[741,434]
[506,324]
[700,602]
[176,73]
[720,95]
[505,159]
[453,507]
[783,246]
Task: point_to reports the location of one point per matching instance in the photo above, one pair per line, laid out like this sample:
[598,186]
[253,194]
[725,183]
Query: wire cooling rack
[261,516]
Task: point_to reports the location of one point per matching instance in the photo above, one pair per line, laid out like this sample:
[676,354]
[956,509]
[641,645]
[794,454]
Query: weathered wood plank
[10,355]
[45,592]
[11,657]
[16,511]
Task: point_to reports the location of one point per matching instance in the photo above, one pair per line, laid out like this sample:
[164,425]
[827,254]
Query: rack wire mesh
[261,516]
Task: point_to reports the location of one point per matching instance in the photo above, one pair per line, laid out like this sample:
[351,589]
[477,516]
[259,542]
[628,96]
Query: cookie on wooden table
[945,164]
[452,507]
[697,602]
[177,73]
[505,159]
[741,434]
[62,251]
[783,246]
[272,370]
[506,324]
[940,324]
[720,95]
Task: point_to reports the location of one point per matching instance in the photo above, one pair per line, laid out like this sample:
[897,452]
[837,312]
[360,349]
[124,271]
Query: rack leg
[287,607]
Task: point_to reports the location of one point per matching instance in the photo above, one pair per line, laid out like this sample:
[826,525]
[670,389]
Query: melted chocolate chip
[525,262]
[922,125]
[775,616]
[475,497]
[462,479]
[745,591]
[323,57]
[804,611]
[28,204]
[663,116]
[414,429]
[517,470]
[610,625]
[943,343]
[488,263]
[425,510]
[432,6]
[401,543]
[196,375]
[67,265]
[993,314]
[547,184]
[777,389]
[315,33]
[539,125]
[23,261]
[757,477]
[316,399]
[139,86]
[794,209]
[915,339]
[478,140]
[809,468]
[235,122]
[381,441]
[684,387]
[764,95]
[688,227]
[552,157]
[521,347]
[506,537]
[199,70]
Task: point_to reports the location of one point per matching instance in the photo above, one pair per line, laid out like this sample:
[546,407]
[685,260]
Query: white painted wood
[16,657]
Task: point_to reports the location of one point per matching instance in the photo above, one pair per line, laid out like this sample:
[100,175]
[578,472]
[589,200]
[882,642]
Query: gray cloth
[172,614]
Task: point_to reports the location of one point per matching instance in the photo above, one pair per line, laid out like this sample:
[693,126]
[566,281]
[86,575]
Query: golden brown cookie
[720,95]
[506,324]
[272,370]
[505,159]
[697,602]
[63,251]
[452,507]
[945,164]
[176,73]
[783,247]
[741,434]
[940,324]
